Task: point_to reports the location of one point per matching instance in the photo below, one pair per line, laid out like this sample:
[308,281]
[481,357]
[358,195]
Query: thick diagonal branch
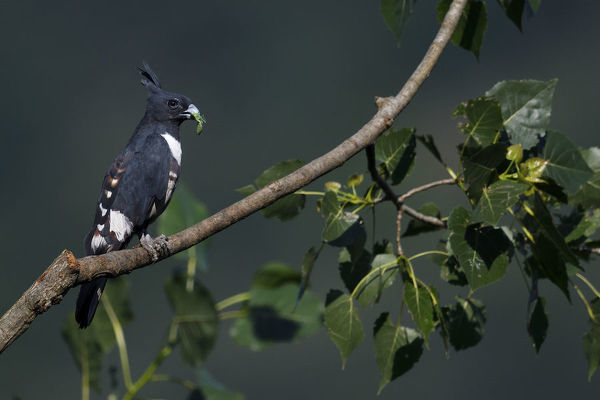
[64,274]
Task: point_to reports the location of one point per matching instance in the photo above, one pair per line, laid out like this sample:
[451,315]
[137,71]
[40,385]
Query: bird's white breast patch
[120,225]
[174,146]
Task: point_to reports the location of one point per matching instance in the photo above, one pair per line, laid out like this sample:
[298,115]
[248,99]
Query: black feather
[147,73]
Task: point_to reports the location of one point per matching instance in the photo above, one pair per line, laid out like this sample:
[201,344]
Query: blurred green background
[275,80]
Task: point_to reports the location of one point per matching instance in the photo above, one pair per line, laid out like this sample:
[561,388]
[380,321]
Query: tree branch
[412,192]
[66,272]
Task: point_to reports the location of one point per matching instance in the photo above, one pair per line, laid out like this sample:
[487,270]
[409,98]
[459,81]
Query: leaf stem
[309,193]
[120,337]
[228,302]
[85,369]
[158,360]
[372,272]
[588,283]
[233,314]
[173,379]
[585,302]
[426,253]
[191,269]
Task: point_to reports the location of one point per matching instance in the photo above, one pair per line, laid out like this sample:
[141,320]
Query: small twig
[382,183]
[428,186]
[422,217]
[399,200]
[399,232]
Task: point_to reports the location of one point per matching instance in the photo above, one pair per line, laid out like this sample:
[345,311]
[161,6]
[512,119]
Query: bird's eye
[173,103]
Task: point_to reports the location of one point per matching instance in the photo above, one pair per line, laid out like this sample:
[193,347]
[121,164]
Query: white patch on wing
[100,227]
[97,242]
[108,193]
[102,209]
[120,225]
[153,210]
[170,185]
[174,146]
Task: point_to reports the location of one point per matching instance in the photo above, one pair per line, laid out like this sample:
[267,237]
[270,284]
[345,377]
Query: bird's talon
[156,247]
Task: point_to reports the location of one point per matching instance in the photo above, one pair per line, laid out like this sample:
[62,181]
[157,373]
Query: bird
[138,186]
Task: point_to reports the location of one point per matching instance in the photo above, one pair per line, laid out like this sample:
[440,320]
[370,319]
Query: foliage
[531,200]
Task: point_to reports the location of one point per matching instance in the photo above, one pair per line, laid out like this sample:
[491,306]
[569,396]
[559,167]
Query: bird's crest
[149,77]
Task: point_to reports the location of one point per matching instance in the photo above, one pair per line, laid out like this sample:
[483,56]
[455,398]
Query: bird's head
[165,106]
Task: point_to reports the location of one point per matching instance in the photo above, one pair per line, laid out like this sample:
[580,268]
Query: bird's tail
[88,300]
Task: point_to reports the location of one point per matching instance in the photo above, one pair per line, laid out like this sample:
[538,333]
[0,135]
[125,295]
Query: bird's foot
[157,247]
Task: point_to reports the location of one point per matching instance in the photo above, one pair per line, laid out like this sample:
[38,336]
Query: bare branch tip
[71,259]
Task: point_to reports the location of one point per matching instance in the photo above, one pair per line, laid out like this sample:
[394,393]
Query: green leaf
[514,153]
[374,285]
[451,272]
[514,10]
[471,27]
[482,168]
[396,14]
[395,150]
[287,207]
[427,141]
[481,251]
[465,321]
[541,223]
[496,199]
[353,266]
[308,262]
[185,210]
[343,324]
[275,274]
[484,118]
[551,263]
[397,349]
[343,229]
[566,164]
[589,194]
[211,389]
[548,186]
[533,168]
[420,307]
[355,180]
[89,345]
[591,348]
[591,340]
[537,324]
[196,317]
[273,317]
[526,108]
[86,351]
[416,227]
[246,190]
[587,226]
[592,158]
[535,4]
[332,186]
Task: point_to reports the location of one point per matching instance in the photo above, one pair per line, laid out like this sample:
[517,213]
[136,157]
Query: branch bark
[66,272]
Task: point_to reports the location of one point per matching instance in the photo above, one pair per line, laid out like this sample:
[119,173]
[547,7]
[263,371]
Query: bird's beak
[190,112]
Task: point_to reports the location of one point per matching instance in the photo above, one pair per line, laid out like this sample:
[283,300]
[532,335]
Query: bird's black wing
[135,190]
[145,189]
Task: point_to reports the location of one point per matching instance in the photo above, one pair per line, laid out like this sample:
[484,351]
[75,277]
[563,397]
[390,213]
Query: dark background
[276,80]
